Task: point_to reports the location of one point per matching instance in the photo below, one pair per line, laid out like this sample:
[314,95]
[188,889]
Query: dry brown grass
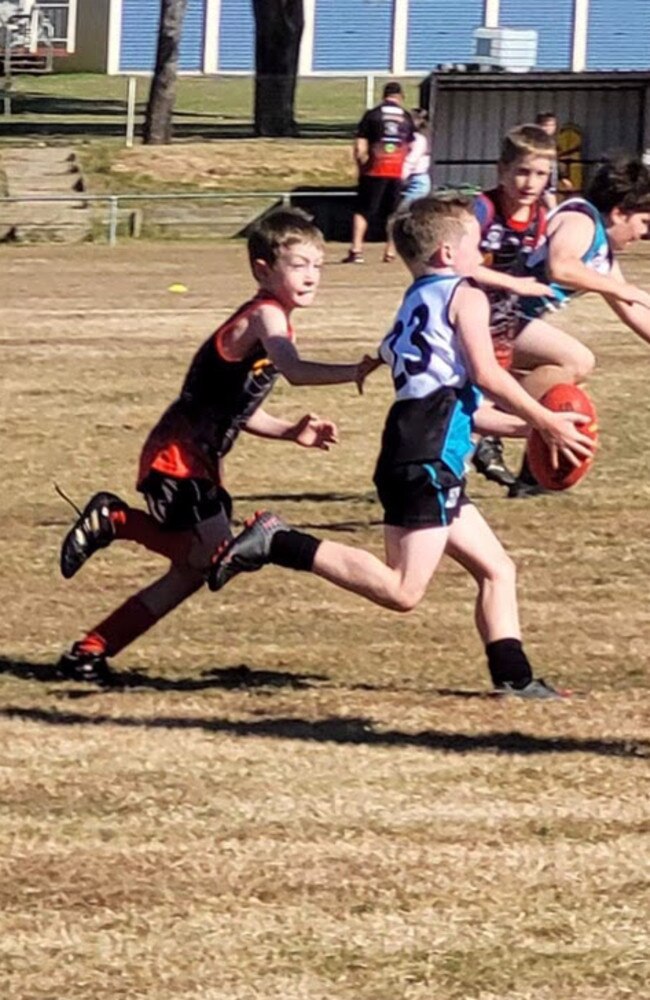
[242,165]
[297,795]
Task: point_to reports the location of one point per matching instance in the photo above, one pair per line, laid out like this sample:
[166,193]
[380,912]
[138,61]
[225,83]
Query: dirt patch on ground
[247,164]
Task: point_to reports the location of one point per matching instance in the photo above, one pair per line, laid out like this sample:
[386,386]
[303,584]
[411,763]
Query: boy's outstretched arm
[567,243]
[310,431]
[470,315]
[634,315]
[269,326]
[522,286]
[489,420]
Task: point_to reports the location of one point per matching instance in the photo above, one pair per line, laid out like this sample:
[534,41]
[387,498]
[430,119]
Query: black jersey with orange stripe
[219,394]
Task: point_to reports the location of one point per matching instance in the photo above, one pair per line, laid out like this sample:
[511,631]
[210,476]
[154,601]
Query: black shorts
[418,495]
[378,197]
[178,504]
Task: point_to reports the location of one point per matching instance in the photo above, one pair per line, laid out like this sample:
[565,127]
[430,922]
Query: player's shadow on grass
[240,677]
[349,731]
[237,678]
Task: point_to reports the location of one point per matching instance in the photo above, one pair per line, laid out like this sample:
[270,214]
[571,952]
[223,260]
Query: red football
[562,397]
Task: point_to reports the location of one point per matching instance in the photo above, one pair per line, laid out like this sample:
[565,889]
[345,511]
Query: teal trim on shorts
[433,476]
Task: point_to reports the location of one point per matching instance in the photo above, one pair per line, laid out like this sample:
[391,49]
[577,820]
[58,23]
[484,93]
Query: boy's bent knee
[583,365]
[405,600]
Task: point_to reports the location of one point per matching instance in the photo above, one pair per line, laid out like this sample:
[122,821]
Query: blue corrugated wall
[357,34]
[236,36]
[619,34]
[353,35]
[553,21]
[441,32]
[140,19]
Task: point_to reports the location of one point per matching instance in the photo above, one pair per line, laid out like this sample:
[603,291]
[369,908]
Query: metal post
[6,98]
[131,93]
[113,201]
[370,90]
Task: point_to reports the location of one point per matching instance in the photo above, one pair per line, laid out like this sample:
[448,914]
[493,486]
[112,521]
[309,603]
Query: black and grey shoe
[525,485]
[489,461]
[92,530]
[535,689]
[521,490]
[353,257]
[248,551]
[80,665]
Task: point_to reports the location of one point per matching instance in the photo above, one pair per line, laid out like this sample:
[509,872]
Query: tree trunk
[162,95]
[278,30]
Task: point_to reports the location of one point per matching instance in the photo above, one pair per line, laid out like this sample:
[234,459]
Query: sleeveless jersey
[505,245]
[431,418]
[505,242]
[599,257]
[218,396]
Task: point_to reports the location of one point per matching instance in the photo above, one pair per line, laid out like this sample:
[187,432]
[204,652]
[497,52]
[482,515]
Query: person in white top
[416,172]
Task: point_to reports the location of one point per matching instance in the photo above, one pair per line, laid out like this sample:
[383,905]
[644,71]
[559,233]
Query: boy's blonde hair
[526,140]
[425,224]
[282,228]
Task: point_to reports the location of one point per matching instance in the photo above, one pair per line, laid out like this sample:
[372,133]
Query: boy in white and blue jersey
[583,238]
[441,356]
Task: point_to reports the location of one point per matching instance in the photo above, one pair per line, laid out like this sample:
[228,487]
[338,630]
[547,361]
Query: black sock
[508,663]
[525,475]
[293,549]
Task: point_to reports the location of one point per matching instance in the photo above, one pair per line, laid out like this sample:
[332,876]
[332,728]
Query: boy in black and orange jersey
[180,465]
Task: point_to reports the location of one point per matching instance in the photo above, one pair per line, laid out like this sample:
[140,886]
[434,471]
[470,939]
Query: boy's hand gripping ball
[562,398]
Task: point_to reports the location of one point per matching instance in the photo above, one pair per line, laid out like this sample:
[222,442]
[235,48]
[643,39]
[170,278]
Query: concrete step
[44,171]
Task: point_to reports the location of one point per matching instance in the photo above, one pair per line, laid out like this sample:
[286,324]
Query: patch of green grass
[205,106]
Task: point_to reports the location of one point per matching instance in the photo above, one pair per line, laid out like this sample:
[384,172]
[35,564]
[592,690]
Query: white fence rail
[116,202]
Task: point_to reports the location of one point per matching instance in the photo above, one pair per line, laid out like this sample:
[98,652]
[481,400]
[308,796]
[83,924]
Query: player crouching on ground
[180,466]
[439,351]
[578,255]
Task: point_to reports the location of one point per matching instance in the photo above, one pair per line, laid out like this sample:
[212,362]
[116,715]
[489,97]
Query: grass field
[89,111]
[295,795]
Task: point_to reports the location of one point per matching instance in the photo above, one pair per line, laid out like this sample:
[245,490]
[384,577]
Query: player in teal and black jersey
[440,355]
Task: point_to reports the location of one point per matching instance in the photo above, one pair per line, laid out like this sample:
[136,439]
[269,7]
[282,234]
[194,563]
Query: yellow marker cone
[177,287]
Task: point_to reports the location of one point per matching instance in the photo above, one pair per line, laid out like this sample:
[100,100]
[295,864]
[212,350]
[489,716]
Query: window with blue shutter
[236,36]
[440,32]
[140,22]
[353,35]
[619,34]
[553,22]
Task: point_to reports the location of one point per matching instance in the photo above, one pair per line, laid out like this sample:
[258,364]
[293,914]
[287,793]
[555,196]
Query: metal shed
[471,111]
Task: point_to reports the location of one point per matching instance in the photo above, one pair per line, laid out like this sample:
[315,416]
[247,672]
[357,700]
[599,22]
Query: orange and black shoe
[79,664]
[94,529]
[248,551]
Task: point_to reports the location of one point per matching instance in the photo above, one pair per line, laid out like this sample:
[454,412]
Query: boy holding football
[440,352]
[573,249]
[513,219]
